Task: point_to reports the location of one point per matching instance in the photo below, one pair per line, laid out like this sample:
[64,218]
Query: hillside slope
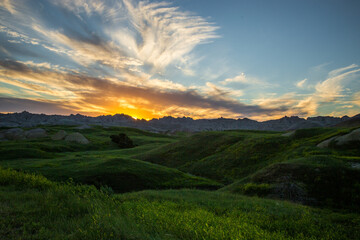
[288,166]
[213,154]
[232,155]
[33,207]
[100,163]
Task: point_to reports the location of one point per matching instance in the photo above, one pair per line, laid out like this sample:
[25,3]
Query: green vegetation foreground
[38,201]
[33,207]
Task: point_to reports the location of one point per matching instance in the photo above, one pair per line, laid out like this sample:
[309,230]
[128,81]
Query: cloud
[243,79]
[154,34]
[90,50]
[4,91]
[167,34]
[283,102]
[306,107]
[291,104]
[113,56]
[356,98]
[8,5]
[221,92]
[99,95]
[301,83]
[126,34]
[332,88]
[34,106]
[340,70]
[139,40]
[328,91]
[88,6]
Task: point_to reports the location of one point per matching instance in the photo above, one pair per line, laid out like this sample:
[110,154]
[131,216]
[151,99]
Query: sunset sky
[196,58]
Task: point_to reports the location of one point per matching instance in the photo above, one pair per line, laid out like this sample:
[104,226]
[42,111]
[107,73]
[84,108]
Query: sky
[257,59]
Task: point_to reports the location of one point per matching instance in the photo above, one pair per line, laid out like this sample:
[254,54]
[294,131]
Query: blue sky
[202,59]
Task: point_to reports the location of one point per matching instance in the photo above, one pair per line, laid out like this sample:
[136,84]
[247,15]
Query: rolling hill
[206,185]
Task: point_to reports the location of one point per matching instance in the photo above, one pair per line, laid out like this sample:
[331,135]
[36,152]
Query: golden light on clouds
[139,58]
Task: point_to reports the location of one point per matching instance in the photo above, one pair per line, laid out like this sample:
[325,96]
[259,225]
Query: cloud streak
[332,87]
[301,84]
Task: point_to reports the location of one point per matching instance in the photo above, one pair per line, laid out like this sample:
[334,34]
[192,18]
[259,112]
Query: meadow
[208,185]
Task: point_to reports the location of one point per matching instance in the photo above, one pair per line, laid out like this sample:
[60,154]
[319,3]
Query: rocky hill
[168,124]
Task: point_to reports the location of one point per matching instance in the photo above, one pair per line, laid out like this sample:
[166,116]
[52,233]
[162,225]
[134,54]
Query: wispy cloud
[332,88]
[8,5]
[356,98]
[338,71]
[167,34]
[328,91]
[87,6]
[301,84]
[36,106]
[145,33]
[242,79]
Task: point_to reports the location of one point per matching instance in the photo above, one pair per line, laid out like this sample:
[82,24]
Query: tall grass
[33,207]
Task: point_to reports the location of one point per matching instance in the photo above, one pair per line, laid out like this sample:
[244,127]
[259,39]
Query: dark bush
[122,140]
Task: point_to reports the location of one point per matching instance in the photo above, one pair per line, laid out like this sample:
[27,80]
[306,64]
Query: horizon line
[140,119]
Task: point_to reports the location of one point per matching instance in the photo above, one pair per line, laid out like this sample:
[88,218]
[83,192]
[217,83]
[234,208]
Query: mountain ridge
[169,123]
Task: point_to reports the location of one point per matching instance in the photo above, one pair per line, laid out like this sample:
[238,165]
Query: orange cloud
[95,96]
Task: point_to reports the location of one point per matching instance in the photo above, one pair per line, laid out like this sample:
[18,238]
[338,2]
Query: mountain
[350,122]
[169,124]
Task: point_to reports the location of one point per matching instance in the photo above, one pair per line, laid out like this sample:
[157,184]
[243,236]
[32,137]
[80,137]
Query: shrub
[122,140]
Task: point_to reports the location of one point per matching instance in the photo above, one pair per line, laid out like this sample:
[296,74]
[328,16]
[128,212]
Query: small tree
[122,140]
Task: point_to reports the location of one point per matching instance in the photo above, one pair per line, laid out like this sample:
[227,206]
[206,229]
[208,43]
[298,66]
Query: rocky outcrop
[35,133]
[352,137]
[76,137]
[14,134]
[288,134]
[20,134]
[60,135]
[326,143]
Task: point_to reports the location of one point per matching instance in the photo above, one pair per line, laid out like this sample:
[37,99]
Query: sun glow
[135,113]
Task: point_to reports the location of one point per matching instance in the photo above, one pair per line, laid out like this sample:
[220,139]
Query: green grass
[232,155]
[247,157]
[107,168]
[330,181]
[99,140]
[45,202]
[214,155]
[100,163]
[33,207]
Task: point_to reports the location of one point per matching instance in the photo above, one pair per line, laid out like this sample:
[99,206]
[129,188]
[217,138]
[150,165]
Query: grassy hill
[41,198]
[33,207]
[100,163]
[232,155]
[270,164]
[214,154]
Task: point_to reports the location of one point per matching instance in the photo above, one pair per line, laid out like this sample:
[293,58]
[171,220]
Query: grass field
[197,186]
[33,207]
[100,163]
